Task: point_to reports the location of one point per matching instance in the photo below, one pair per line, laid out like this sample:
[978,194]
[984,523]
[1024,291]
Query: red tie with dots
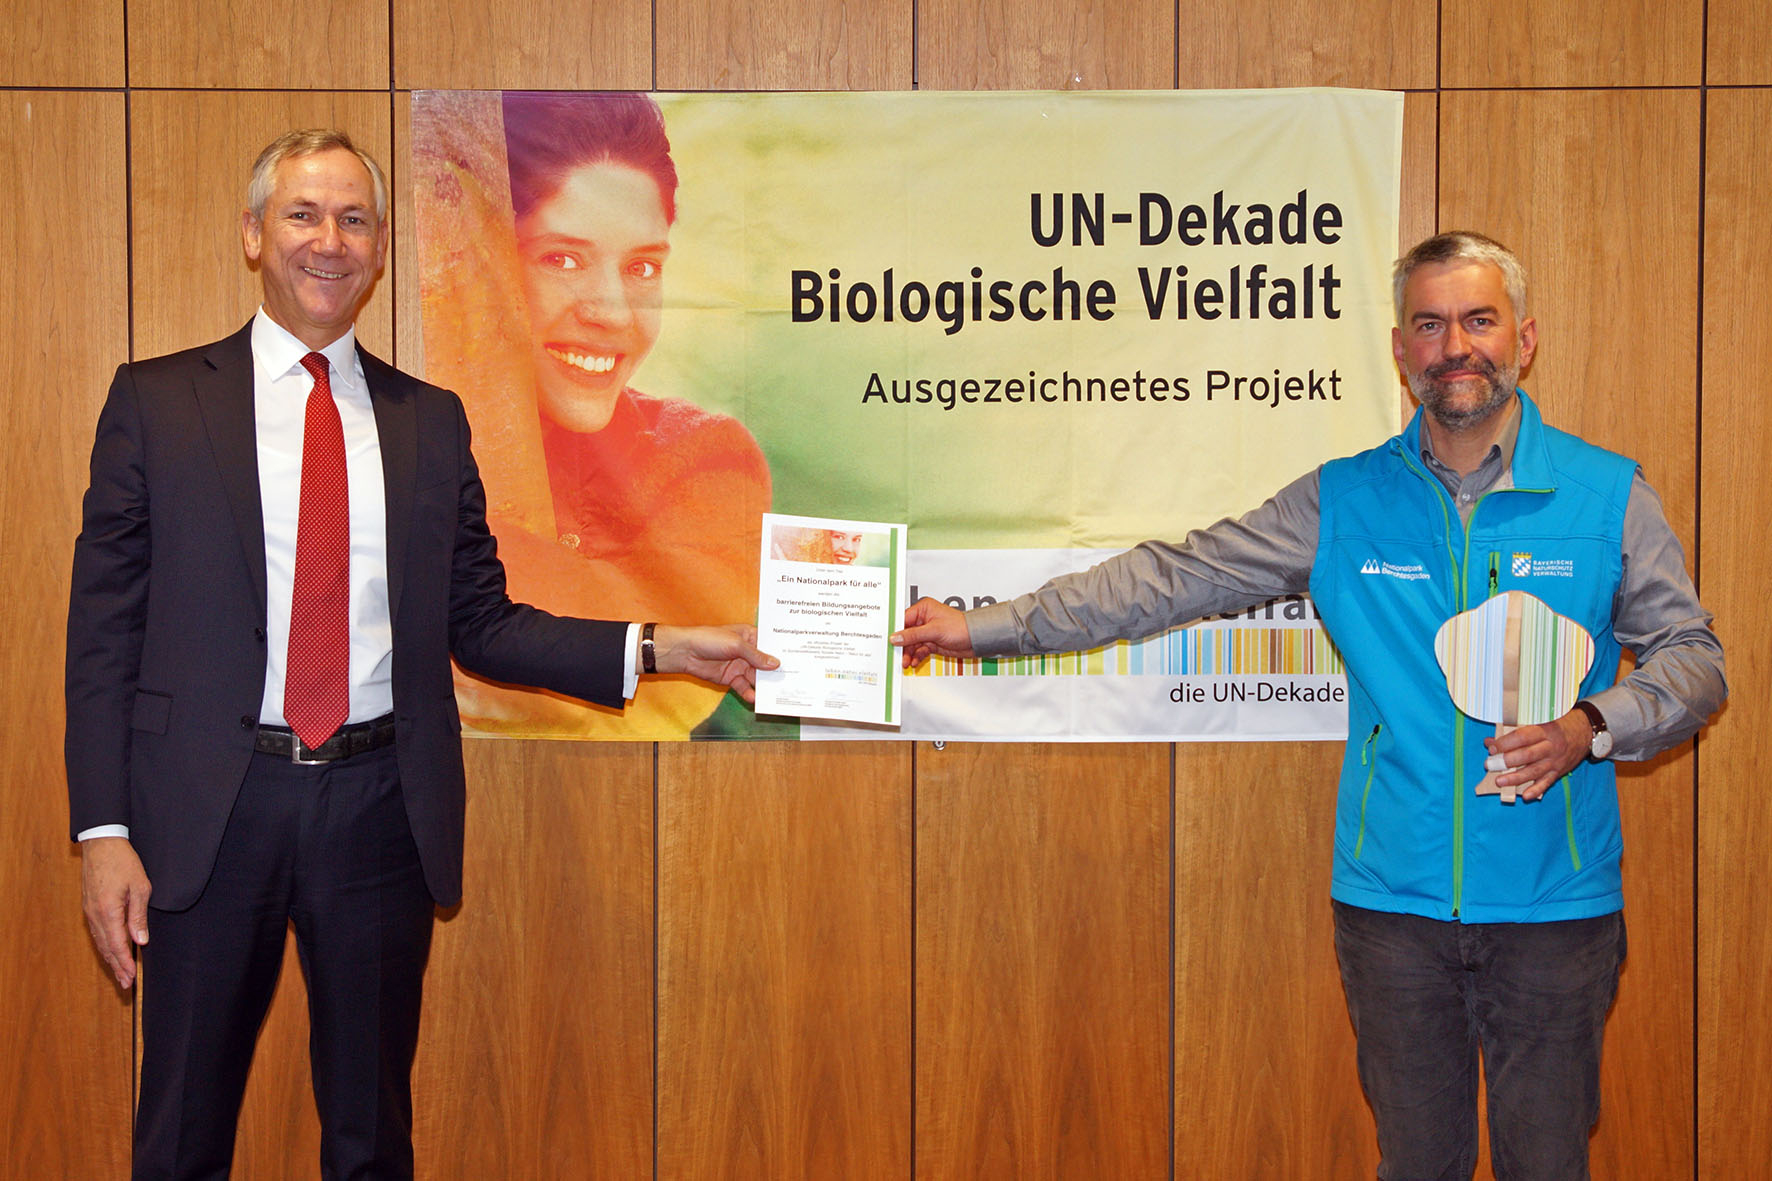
[317,689]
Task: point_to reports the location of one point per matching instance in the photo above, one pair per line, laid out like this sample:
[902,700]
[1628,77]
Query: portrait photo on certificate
[830,593]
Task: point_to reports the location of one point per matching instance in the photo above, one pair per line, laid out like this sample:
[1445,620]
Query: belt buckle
[298,748]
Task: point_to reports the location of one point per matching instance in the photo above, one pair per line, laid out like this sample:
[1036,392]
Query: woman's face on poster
[844,546]
[593,270]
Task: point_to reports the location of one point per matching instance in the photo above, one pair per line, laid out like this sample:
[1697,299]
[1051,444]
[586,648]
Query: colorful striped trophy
[1515,662]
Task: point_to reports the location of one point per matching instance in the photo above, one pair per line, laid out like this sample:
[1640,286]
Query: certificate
[831,592]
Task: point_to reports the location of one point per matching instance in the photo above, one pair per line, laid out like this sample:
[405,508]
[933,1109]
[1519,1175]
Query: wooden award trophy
[1514,662]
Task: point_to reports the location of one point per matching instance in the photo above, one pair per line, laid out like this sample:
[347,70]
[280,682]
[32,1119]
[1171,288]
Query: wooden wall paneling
[1735,820]
[1045,45]
[192,154]
[1647,1097]
[1265,1081]
[1043,961]
[259,44]
[539,45]
[1617,365]
[1419,215]
[783,45]
[784,996]
[1572,43]
[589,948]
[1738,47]
[468,1079]
[535,1056]
[65,1030]
[1611,246]
[63,43]
[1381,44]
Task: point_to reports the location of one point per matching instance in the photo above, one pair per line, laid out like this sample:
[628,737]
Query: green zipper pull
[1494,573]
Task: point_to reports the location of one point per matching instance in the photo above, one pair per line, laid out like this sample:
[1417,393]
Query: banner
[1038,328]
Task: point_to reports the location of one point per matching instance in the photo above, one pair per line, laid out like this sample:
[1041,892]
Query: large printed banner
[1038,328]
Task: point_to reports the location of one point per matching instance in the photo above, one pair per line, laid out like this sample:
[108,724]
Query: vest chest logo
[1415,572]
[1526,566]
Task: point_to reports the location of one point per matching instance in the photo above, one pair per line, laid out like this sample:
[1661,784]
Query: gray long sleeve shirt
[1676,685]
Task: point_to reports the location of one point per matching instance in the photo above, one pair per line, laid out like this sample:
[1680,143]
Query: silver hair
[1463,246]
[311,141]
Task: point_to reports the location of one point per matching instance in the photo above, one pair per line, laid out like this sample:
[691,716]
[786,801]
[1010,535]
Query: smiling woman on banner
[833,547]
[639,506]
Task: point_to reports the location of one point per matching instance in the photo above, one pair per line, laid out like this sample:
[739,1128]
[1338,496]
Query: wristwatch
[1601,746]
[649,651]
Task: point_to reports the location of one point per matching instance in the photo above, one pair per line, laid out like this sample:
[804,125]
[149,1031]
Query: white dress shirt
[280,387]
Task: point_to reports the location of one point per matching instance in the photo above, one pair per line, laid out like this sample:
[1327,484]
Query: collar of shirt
[279,353]
[1493,474]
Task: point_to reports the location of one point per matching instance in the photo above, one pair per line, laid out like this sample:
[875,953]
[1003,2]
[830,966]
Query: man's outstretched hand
[932,628]
[723,655]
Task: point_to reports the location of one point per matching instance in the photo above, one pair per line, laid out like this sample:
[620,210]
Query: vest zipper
[1458,788]
[1461,604]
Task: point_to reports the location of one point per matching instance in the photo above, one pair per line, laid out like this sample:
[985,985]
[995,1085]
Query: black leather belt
[357,739]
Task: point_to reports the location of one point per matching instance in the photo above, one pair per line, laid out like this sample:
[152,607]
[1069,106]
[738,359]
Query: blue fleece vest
[1393,563]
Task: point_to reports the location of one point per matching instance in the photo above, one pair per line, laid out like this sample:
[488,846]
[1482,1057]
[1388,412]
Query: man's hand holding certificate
[831,592]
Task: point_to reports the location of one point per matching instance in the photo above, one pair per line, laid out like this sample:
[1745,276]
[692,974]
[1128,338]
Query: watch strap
[1600,745]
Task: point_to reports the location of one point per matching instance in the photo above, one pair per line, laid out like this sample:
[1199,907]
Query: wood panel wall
[885,960]
[1734,932]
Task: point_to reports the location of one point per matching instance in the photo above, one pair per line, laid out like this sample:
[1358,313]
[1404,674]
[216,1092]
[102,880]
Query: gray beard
[1425,386]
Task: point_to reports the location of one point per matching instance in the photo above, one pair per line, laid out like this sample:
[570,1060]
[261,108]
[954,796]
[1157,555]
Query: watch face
[1601,745]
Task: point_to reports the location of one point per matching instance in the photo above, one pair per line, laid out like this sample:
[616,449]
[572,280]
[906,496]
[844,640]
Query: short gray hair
[1462,246]
[311,141]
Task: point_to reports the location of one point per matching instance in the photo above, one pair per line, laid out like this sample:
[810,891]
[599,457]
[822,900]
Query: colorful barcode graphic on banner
[1179,652]
[1514,647]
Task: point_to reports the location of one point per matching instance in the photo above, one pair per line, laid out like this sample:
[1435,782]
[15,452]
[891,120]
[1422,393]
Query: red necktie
[317,689]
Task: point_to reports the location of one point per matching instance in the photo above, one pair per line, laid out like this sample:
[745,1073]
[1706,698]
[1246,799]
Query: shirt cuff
[1624,720]
[103,830]
[630,671]
[992,630]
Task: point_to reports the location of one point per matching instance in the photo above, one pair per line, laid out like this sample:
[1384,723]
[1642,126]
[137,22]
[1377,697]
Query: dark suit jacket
[166,622]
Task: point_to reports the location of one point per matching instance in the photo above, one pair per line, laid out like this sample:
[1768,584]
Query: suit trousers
[326,848]
[1426,997]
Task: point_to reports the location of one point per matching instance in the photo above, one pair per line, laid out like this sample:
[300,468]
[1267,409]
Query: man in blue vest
[1462,924]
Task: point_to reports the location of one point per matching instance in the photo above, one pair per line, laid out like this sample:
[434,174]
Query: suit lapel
[223,387]
[396,425]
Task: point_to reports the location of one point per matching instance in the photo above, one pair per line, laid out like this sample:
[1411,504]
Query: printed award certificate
[831,592]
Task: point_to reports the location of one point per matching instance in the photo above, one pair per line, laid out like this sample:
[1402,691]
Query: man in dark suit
[283,543]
